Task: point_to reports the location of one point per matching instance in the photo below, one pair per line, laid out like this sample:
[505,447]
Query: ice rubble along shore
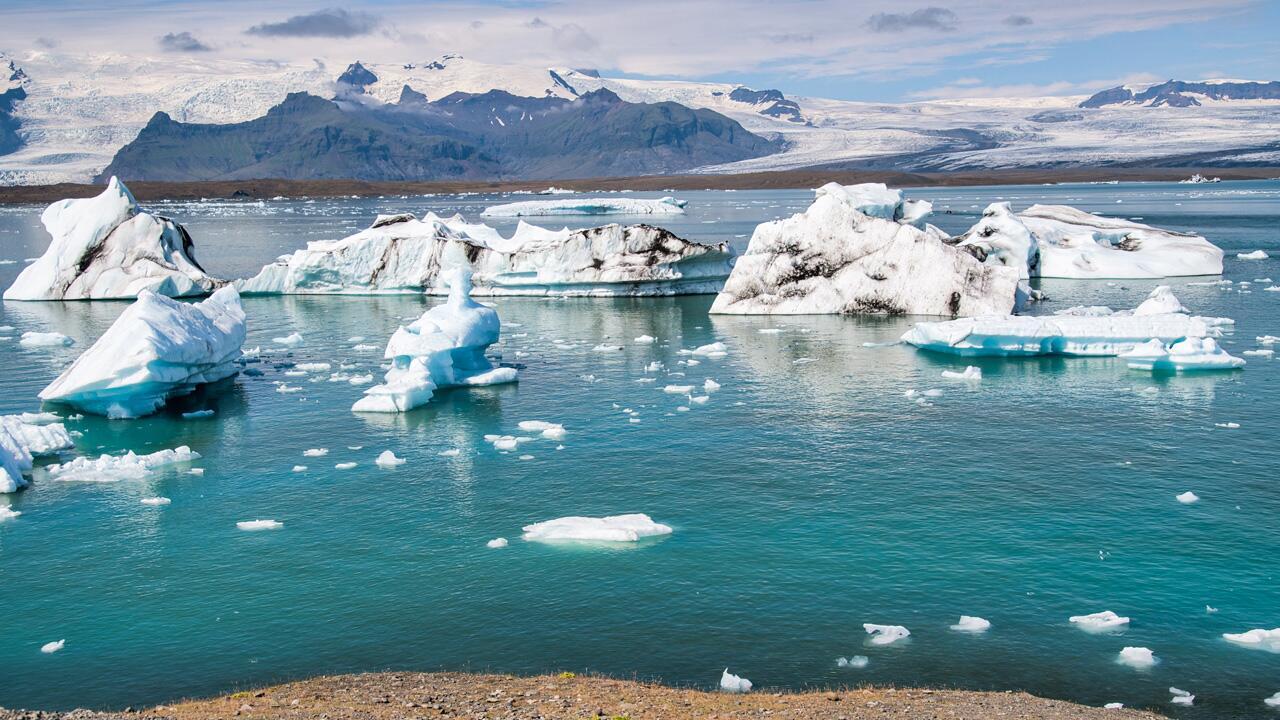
[1081,331]
[158,348]
[862,249]
[1057,241]
[22,438]
[588,206]
[401,254]
[445,347]
[105,247]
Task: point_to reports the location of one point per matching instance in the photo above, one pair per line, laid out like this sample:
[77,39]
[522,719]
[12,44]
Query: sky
[873,50]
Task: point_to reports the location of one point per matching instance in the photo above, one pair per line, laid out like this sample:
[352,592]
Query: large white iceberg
[859,249]
[443,348]
[1257,638]
[23,438]
[612,528]
[401,254]
[105,247]
[1058,241]
[158,348]
[114,468]
[1084,331]
[588,206]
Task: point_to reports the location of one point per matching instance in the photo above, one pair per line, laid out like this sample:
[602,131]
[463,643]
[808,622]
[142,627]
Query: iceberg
[52,647]
[860,249]
[1082,331]
[613,528]
[885,634]
[257,525]
[496,543]
[1255,255]
[1136,657]
[1058,241]
[1181,697]
[1182,356]
[588,206]
[401,254]
[1187,497]
[443,348]
[972,624]
[1099,621]
[105,247]
[157,349]
[22,439]
[388,459]
[114,468]
[45,339]
[1257,639]
[734,684]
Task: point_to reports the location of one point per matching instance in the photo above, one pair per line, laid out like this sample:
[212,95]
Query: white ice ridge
[158,348]
[1100,621]
[612,528]
[885,634]
[1080,331]
[401,254]
[22,439]
[1058,241]
[1182,356]
[113,468]
[106,248]
[588,206]
[734,684]
[1257,638]
[861,249]
[443,348]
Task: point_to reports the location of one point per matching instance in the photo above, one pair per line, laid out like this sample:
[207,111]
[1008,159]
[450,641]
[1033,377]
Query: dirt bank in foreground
[383,696]
[789,179]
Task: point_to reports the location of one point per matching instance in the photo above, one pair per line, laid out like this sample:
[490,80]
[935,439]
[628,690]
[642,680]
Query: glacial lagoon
[808,495]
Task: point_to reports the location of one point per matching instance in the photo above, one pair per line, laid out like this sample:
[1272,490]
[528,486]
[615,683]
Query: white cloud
[960,89]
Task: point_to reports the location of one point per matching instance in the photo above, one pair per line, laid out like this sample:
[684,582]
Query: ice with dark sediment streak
[885,634]
[105,247]
[588,206]
[157,349]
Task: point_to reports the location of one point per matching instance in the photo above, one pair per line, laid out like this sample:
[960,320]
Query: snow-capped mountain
[78,111]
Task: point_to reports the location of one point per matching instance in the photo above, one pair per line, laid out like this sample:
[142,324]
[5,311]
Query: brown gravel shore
[396,695]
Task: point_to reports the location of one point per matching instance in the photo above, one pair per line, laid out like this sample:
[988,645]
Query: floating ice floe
[315,452]
[8,513]
[291,340]
[1136,657]
[1257,639]
[972,624]
[53,647]
[402,254]
[1191,354]
[22,439]
[548,430]
[443,348]
[344,466]
[1273,701]
[971,372]
[1099,621]
[496,543]
[856,662]
[256,525]
[645,340]
[734,684]
[885,634]
[114,468]
[1058,241]
[1113,706]
[1255,255]
[1079,331]
[45,339]
[156,501]
[612,528]
[106,248]
[388,459]
[157,349]
[197,414]
[1181,697]
[1187,497]
[859,249]
[588,206]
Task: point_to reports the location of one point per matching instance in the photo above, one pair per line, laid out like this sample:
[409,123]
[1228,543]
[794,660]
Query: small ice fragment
[388,459]
[1227,425]
[344,466]
[291,340]
[856,662]
[299,468]
[1099,621]
[452,452]
[497,543]
[1113,706]
[1136,657]
[1273,701]
[714,350]
[932,393]
[885,634]
[607,348]
[1187,497]
[1181,697]
[53,647]
[316,452]
[525,457]
[1257,638]
[678,389]
[1255,255]
[156,501]
[698,400]
[710,385]
[254,525]
[196,471]
[314,367]
[8,513]
[550,431]
[734,684]
[645,340]
[971,372]
[971,624]
[654,366]
[197,414]
[769,331]
[287,388]
[42,339]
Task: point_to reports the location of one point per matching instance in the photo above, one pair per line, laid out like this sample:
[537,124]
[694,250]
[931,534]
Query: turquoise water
[807,497]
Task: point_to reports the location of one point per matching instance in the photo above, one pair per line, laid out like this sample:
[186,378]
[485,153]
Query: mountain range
[66,117]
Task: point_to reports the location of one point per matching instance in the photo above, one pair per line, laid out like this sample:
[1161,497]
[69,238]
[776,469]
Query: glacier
[588,206]
[158,348]
[1080,331]
[105,247]
[1058,241]
[860,249]
[402,254]
[443,348]
[22,439]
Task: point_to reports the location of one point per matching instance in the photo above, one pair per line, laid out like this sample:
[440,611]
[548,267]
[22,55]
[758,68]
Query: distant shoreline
[786,179]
